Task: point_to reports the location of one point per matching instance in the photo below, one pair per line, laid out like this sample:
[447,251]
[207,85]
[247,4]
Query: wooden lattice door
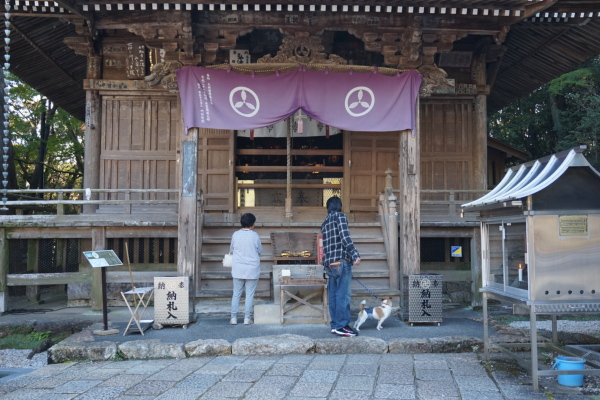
[367,155]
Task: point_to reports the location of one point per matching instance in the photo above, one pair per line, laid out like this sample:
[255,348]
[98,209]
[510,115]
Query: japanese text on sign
[171,300]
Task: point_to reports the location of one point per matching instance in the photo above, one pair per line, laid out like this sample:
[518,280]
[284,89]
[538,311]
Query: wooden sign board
[172,300]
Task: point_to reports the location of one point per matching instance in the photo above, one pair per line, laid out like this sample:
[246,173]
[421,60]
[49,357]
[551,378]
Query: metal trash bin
[422,298]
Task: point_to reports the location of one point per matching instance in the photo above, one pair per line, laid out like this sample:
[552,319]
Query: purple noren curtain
[370,101]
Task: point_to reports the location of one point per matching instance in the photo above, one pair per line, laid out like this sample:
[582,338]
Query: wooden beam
[409,209]
[188,201]
[98,243]
[72,7]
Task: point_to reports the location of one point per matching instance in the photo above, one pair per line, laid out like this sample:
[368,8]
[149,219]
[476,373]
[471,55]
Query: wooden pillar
[98,243]
[4,260]
[409,200]
[93,111]
[480,131]
[33,248]
[188,200]
[393,242]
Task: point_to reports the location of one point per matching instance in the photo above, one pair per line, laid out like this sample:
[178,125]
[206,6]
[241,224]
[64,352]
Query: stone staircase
[216,284]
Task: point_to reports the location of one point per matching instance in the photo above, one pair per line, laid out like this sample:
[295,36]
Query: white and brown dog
[380,313]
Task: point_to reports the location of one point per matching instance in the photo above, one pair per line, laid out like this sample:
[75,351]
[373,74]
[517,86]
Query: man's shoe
[346,331]
[233,321]
[247,321]
[333,331]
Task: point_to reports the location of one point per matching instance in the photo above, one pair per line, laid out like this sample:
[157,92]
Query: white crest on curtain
[312,127]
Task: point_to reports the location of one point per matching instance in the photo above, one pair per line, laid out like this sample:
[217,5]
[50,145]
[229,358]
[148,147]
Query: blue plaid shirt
[337,244]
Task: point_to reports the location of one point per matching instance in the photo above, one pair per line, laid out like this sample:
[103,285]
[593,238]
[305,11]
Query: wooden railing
[58,198]
[447,203]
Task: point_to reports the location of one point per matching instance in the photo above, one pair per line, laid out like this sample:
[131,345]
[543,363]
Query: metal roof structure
[532,177]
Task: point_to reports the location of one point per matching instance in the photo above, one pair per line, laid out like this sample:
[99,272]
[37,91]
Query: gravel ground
[18,359]
[587,327]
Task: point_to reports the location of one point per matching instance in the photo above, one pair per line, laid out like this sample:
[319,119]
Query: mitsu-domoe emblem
[244,101]
[359,101]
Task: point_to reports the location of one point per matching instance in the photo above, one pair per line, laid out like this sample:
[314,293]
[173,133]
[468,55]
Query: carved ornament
[164,73]
[433,77]
[302,50]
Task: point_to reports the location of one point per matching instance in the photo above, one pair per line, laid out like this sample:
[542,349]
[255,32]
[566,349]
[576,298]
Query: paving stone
[76,386]
[409,346]
[124,380]
[125,397]
[228,389]
[21,381]
[338,358]
[354,345]
[437,388]
[434,375]
[311,389]
[169,375]
[49,383]
[469,369]
[123,364]
[264,393]
[261,365]
[238,375]
[150,387]
[101,393]
[431,364]
[145,370]
[524,392]
[475,383]
[297,359]
[212,369]
[286,370]
[472,395]
[227,360]
[190,364]
[60,396]
[363,358]
[280,382]
[349,395]
[319,376]
[396,392]
[351,382]
[396,359]
[360,369]
[396,377]
[97,374]
[325,365]
[28,394]
[181,394]
[304,398]
[507,377]
[198,381]
[273,345]
[51,369]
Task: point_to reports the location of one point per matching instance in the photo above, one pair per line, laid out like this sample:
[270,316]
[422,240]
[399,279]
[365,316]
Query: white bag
[228,260]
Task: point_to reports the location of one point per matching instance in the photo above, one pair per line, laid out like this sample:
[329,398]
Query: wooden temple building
[167,197]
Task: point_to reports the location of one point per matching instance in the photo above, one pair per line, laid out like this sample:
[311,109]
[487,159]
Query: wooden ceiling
[540,48]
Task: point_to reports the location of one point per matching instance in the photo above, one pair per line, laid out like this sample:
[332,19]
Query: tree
[47,141]
[560,115]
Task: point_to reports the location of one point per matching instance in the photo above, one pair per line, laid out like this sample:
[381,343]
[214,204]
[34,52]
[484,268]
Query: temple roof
[540,47]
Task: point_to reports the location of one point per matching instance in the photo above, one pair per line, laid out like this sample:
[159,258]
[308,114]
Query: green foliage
[47,141]
[40,335]
[24,341]
[561,115]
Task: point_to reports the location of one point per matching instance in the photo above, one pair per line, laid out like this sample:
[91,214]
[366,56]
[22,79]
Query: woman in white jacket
[245,270]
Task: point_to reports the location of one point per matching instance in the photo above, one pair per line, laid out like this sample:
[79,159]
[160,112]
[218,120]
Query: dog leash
[373,294]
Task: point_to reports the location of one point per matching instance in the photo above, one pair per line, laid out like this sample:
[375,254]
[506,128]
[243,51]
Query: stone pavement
[458,376]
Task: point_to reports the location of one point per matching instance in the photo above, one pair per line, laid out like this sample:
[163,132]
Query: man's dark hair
[334,204]
[247,220]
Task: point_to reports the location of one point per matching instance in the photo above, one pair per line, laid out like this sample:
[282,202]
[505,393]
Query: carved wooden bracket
[215,39]
[164,73]
[409,48]
[83,44]
[433,78]
[501,35]
[302,48]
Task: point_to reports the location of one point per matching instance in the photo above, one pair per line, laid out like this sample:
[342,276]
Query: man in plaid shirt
[338,248]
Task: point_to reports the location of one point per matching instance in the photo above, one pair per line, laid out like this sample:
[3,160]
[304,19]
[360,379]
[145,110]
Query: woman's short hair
[334,204]
[247,220]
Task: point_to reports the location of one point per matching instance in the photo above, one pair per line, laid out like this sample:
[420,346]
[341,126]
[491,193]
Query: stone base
[269,314]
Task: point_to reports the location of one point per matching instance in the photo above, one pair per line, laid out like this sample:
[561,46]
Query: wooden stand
[321,289]
[144,295]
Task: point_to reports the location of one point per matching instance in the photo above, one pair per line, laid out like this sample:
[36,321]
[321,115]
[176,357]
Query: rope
[373,294]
